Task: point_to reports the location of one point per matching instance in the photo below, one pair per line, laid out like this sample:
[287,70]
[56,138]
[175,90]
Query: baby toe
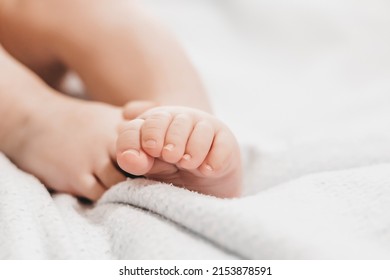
[198,145]
[108,174]
[130,156]
[153,132]
[89,187]
[220,157]
[176,138]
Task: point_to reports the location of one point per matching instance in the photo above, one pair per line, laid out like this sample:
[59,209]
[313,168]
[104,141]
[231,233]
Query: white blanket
[306,87]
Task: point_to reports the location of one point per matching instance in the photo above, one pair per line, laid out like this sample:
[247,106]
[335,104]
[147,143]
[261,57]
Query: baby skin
[182,146]
[128,57]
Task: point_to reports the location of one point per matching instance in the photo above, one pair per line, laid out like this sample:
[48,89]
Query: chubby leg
[127,54]
[49,135]
[182,146]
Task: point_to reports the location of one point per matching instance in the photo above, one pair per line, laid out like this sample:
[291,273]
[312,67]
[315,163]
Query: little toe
[198,145]
[109,175]
[130,156]
[176,138]
[220,157]
[89,187]
[153,132]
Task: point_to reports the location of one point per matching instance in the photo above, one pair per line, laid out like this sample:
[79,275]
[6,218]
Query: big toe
[130,156]
[134,162]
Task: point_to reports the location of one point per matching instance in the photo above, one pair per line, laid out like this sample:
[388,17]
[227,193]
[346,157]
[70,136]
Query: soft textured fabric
[306,88]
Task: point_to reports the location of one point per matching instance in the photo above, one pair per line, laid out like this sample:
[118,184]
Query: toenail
[209,168]
[169,147]
[151,143]
[132,152]
[186,157]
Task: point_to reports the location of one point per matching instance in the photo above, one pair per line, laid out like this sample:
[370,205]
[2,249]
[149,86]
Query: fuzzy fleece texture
[305,85]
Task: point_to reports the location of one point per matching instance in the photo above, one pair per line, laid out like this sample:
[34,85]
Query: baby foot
[182,146]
